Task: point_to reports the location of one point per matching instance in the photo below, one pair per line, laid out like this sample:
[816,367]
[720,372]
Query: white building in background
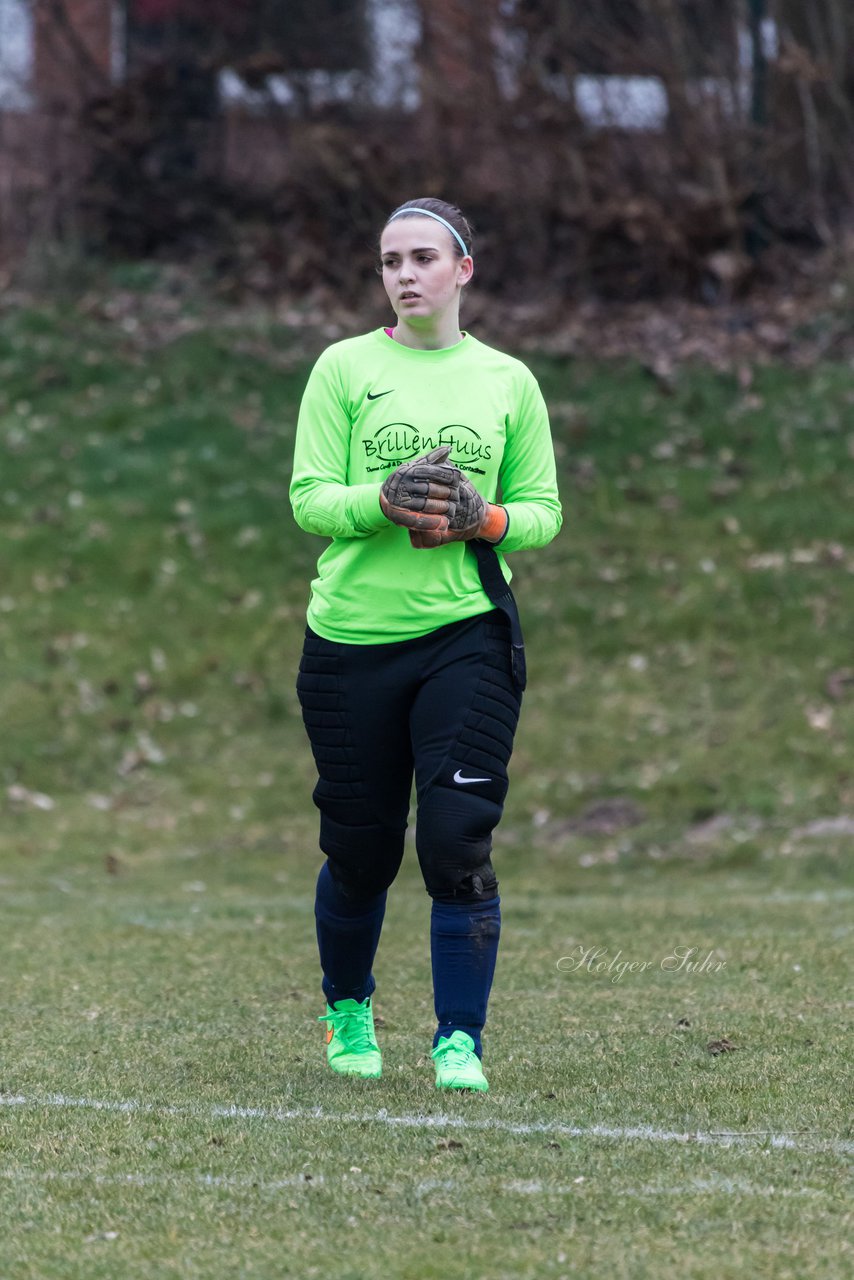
[394,30]
[17,55]
[628,102]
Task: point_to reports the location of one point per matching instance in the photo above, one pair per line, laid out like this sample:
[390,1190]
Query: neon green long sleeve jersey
[371,404]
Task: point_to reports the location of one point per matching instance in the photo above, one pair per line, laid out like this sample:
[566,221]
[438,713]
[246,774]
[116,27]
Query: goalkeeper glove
[422,494]
[473,517]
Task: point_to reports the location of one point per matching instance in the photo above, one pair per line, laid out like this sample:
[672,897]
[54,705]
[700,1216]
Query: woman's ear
[465,270]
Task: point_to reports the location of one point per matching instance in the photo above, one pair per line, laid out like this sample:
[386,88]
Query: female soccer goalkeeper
[413,661]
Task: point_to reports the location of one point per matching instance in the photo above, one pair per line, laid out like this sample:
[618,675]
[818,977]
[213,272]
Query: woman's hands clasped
[432,498]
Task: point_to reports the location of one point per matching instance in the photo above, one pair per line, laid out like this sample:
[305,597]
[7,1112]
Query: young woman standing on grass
[413,663]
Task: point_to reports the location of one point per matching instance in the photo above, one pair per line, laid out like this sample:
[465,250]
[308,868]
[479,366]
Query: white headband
[427,213]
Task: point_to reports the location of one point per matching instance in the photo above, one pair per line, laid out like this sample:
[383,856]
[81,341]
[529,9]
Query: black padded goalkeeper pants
[441,708]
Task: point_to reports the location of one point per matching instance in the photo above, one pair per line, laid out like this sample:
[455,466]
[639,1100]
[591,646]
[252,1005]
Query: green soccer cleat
[457,1064]
[351,1046]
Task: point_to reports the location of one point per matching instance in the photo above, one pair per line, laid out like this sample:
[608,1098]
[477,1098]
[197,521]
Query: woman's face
[422,274]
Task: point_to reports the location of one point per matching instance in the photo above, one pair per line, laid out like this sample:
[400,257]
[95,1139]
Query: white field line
[230,1182]
[275,1115]
[423,1188]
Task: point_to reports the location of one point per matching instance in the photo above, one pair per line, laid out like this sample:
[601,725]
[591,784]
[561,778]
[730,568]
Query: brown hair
[449,212]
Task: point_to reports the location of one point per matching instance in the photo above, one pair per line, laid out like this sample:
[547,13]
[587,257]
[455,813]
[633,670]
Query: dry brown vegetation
[755,151]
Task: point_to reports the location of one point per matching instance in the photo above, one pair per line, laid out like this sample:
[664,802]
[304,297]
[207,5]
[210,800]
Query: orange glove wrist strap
[494,524]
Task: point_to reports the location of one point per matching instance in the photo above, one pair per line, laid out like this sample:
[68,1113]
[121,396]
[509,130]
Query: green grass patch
[674,857]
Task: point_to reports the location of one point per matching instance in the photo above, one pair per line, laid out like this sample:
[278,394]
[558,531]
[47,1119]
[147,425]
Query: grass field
[683,783]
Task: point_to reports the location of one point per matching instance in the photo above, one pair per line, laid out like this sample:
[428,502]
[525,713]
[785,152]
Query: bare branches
[614,144]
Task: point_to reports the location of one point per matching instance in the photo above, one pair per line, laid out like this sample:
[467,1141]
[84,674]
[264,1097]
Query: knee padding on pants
[363,858]
[478,885]
[360,880]
[454,840]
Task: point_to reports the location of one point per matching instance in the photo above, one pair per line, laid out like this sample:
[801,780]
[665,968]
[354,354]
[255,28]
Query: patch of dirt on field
[603,818]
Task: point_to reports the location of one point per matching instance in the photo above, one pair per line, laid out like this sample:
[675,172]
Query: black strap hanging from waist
[498,589]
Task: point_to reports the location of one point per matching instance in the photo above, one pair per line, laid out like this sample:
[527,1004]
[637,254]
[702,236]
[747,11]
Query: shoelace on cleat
[353,1027]
[455,1055]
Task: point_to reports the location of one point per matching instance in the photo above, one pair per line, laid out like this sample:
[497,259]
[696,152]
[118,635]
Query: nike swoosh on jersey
[458,777]
[377,395]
